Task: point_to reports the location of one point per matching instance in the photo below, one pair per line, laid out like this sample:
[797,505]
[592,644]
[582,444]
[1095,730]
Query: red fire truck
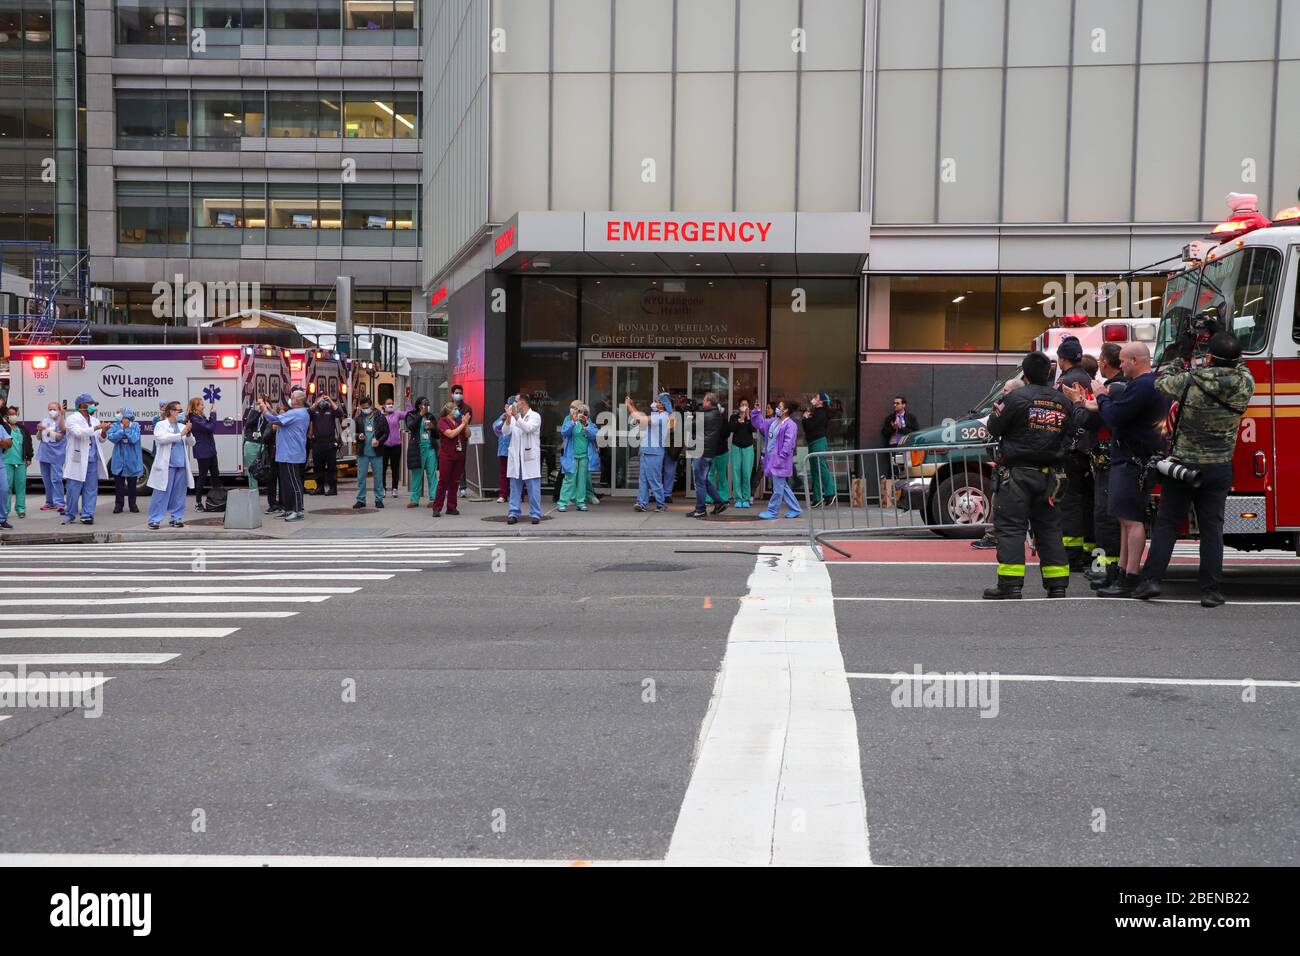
[1246,279]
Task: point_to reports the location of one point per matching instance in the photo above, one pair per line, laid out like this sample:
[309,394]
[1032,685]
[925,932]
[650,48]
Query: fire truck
[1245,279]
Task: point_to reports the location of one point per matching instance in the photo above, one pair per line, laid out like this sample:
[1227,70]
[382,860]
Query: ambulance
[142,377]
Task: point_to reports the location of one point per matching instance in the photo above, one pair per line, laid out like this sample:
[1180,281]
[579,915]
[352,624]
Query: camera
[1172,468]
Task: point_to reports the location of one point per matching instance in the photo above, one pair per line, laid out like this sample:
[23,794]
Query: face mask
[12,419]
[458,396]
[54,413]
[91,408]
[388,409]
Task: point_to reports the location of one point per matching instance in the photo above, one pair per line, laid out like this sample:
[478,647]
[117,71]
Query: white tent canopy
[411,346]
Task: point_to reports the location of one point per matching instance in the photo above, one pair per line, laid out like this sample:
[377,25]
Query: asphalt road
[561,700]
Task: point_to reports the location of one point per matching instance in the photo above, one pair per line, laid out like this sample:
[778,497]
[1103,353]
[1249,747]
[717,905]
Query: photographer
[1211,402]
[579,432]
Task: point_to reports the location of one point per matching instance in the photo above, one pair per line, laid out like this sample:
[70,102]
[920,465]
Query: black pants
[1105,527]
[1076,505]
[272,486]
[325,463]
[124,485]
[1024,502]
[1209,500]
[291,486]
[207,469]
[392,460]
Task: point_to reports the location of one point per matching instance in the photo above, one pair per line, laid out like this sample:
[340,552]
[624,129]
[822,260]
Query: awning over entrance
[683,243]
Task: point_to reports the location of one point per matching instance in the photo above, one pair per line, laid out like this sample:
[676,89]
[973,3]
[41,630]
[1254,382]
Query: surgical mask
[54,413]
[458,396]
[388,409]
[91,408]
[12,419]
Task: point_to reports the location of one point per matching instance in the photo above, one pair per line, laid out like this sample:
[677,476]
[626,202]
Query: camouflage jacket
[1216,399]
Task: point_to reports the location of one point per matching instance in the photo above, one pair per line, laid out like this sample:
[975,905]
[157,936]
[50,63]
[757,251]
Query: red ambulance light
[1073,321]
[229,361]
[1290,216]
[40,362]
[1116,333]
[1245,217]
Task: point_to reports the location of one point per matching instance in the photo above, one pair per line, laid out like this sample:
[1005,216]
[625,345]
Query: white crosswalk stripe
[63,596]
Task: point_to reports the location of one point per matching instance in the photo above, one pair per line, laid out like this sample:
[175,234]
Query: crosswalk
[63,598]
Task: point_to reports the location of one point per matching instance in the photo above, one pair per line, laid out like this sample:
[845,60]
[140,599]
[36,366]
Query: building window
[227,209]
[942,313]
[380,215]
[152,214]
[152,120]
[690,313]
[141,22]
[304,21]
[815,350]
[227,14]
[306,115]
[222,118]
[380,115]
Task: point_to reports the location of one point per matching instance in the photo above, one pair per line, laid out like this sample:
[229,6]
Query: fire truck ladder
[60,291]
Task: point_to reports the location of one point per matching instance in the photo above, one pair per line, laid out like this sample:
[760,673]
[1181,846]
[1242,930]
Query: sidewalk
[333,517]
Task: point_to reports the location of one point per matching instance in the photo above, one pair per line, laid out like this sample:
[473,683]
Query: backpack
[215,499]
[263,466]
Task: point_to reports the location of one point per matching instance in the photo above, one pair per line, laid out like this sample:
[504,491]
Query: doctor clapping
[524,468]
[83,465]
[172,472]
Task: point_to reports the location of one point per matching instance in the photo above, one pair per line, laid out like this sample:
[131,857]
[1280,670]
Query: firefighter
[1105,527]
[1030,425]
[1077,498]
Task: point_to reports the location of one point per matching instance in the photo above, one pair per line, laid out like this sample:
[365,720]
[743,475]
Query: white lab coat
[76,453]
[525,446]
[163,438]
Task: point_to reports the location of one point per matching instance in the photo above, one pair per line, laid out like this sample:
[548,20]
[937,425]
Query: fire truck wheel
[964,502]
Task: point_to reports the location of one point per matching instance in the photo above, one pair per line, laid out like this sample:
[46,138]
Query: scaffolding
[58,308]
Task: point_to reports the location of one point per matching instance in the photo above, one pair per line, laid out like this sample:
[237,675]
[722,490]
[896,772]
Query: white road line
[184,589]
[70,658]
[141,615]
[178,599]
[1074,597]
[3,717]
[47,579]
[1064,679]
[50,685]
[193,859]
[777,779]
[351,573]
[17,633]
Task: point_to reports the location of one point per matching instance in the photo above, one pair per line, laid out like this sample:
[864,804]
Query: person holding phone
[578,432]
[172,473]
[203,428]
[452,439]
[83,465]
[127,462]
[49,455]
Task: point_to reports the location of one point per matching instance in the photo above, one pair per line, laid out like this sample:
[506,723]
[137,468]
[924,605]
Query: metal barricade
[941,489]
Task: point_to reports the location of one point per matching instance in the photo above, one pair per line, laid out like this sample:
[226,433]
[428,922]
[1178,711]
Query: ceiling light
[1025,309]
[389,110]
[958,299]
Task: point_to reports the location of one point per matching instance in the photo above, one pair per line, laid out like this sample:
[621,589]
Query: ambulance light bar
[1116,333]
[40,362]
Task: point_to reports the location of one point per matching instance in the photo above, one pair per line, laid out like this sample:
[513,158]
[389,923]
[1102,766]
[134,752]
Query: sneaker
[720,507]
[535,520]
[500,500]
[379,502]
[639,507]
[829,500]
[274,510]
[435,513]
[816,504]
[699,513]
[295,516]
[22,514]
[561,508]
[511,519]
[117,511]
[453,511]
[412,504]
[47,507]
[357,506]
[462,493]
[134,510]
[984,544]
[582,507]
[87,520]
[177,524]
[659,508]
[5,525]
[153,526]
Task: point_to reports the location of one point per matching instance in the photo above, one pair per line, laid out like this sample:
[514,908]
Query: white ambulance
[142,377]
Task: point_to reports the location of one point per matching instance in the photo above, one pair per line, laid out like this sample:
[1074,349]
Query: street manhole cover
[644,566]
[523,519]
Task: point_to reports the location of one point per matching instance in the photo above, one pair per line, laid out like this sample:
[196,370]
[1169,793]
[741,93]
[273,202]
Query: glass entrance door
[729,383]
[608,384]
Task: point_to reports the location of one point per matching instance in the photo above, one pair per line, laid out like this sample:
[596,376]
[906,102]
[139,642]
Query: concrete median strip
[777,778]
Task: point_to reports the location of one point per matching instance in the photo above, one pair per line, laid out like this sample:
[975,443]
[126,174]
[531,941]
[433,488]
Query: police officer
[1077,497]
[1030,425]
[1211,403]
[325,417]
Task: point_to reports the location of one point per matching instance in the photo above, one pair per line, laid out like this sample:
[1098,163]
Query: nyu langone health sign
[690,232]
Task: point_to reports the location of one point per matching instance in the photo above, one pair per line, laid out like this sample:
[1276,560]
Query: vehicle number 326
[978,433]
